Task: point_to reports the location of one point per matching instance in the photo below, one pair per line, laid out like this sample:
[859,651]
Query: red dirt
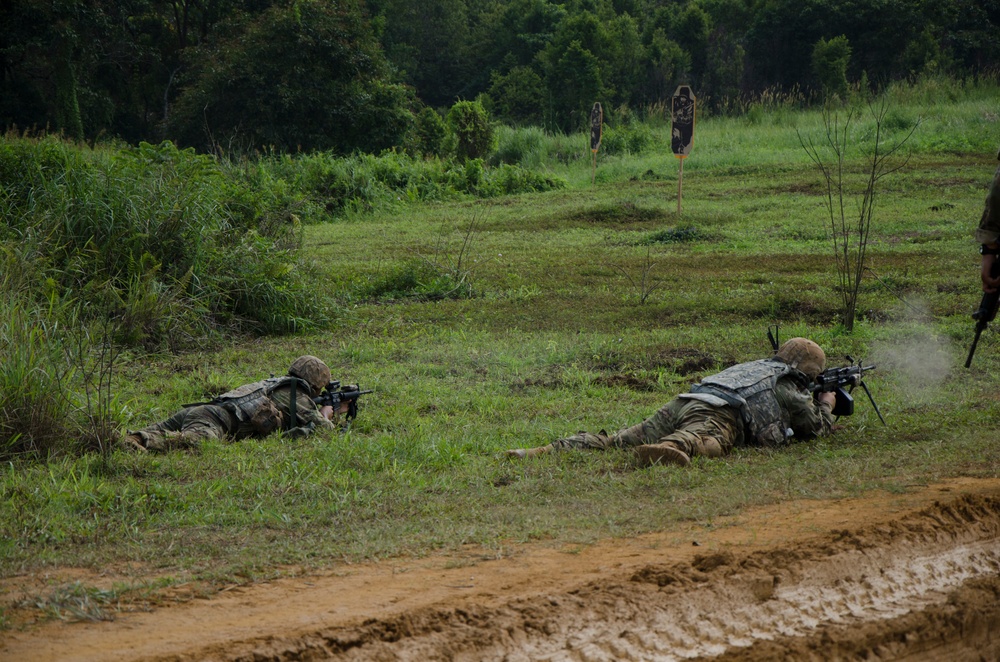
[912,576]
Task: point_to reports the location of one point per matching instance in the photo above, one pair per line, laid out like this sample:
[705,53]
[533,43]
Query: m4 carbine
[333,395]
[986,312]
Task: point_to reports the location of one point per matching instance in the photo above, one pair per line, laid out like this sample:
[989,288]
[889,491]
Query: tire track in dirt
[923,587]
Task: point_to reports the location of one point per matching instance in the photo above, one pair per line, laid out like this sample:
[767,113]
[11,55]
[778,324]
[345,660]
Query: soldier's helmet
[803,354]
[312,370]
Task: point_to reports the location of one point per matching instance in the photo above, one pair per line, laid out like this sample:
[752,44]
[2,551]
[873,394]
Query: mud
[883,577]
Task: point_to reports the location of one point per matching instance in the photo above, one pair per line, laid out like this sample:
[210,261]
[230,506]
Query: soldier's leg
[661,423]
[651,430]
[701,430]
[182,430]
[580,440]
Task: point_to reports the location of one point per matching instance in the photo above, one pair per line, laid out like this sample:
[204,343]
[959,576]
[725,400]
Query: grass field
[590,307]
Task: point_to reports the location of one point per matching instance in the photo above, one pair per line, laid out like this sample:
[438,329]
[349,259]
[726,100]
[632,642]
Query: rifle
[985,313]
[838,380]
[333,395]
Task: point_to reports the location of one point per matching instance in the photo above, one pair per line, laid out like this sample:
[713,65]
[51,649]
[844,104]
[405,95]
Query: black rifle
[985,313]
[839,380]
[333,395]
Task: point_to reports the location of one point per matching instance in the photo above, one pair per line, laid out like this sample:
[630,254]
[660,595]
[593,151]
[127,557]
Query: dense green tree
[518,97]
[122,67]
[667,65]
[310,76]
[428,42]
[575,84]
[471,125]
[829,61]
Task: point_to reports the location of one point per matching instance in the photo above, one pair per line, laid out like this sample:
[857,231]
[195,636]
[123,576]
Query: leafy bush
[365,182]
[34,411]
[154,237]
[631,138]
[524,147]
[429,135]
[678,235]
[471,125]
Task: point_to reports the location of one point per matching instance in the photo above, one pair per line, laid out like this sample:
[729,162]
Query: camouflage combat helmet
[804,355]
[312,370]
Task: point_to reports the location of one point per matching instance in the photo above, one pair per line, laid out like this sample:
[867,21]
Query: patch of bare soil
[912,576]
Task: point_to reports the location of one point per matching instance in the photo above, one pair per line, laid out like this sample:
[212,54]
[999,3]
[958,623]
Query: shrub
[154,237]
[417,279]
[524,147]
[471,125]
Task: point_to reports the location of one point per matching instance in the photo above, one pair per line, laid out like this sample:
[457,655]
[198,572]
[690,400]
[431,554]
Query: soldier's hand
[326,411]
[827,398]
[990,284]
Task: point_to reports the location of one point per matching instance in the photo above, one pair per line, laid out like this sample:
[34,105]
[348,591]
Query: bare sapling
[850,231]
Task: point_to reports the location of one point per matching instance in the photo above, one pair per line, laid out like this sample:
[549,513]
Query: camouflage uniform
[989,225]
[224,418]
[700,427]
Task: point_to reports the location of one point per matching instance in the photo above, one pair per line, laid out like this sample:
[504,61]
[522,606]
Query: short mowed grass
[584,308]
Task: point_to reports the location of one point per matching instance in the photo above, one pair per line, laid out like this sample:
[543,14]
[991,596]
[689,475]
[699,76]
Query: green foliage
[523,146]
[473,130]
[31,367]
[830,58]
[518,96]
[156,238]
[416,279]
[579,73]
[305,77]
[364,183]
[678,235]
[430,134]
[626,138]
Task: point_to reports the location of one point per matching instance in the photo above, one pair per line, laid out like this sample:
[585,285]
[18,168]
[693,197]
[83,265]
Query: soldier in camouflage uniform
[252,410]
[988,233]
[764,402]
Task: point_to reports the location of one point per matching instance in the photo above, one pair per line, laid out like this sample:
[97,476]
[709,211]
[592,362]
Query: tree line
[367,75]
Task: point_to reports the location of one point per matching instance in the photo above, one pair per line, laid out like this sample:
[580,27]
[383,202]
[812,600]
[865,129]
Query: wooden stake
[680,181]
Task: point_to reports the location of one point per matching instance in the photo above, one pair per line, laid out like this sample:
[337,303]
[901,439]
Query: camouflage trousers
[693,426]
[187,427]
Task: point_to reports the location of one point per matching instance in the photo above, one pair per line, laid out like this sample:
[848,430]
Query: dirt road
[912,576]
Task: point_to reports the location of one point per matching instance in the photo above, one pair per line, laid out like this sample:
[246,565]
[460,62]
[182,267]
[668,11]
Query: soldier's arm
[307,415]
[807,417]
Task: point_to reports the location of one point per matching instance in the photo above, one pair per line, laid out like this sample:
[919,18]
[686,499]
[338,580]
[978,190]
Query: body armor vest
[250,399]
[749,388]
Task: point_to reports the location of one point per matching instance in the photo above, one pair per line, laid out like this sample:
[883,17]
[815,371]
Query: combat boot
[529,452]
[662,453]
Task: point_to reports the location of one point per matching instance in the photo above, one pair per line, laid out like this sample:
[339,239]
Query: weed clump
[416,280]
[677,235]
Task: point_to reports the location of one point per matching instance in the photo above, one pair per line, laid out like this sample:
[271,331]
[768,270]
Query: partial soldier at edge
[988,234]
[766,403]
[252,410]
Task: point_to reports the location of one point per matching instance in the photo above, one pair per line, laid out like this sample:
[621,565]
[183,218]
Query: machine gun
[986,312]
[840,382]
[333,395]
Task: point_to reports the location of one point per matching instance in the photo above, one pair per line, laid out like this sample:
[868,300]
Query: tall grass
[166,241]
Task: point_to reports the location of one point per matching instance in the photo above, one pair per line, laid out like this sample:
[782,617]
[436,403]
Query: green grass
[556,338]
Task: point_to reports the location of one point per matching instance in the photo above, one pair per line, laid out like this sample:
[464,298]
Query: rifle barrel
[975,341]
